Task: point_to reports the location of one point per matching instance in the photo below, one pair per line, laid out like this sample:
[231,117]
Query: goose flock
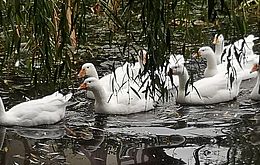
[124,91]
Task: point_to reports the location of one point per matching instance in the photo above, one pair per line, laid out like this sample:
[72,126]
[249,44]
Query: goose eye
[89,82]
[87,66]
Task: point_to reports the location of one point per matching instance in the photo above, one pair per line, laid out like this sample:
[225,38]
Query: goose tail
[67,97]
[251,38]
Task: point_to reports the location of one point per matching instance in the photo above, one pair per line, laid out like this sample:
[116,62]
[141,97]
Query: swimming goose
[243,47]
[213,69]
[255,94]
[219,46]
[47,110]
[113,82]
[125,102]
[121,78]
[209,90]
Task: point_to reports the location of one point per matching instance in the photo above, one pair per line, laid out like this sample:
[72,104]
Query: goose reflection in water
[57,144]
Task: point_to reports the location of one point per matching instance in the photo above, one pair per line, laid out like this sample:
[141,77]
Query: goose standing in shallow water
[209,90]
[255,94]
[47,110]
[125,102]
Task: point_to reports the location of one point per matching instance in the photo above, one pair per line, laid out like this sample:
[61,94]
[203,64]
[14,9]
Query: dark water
[226,133]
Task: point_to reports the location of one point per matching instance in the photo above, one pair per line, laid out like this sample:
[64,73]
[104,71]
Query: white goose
[114,82]
[212,68]
[255,94]
[47,110]
[244,47]
[219,46]
[121,78]
[209,90]
[127,76]
[126,102]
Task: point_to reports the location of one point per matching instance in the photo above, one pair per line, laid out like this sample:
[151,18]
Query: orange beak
[83,86]
[82,73]
[196,55]
[254,68]
[215,41]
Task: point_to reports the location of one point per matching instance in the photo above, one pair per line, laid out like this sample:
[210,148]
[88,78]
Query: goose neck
[211,61]
[218,51]
[100,95]
[183,78]
[94,74]
[258,78]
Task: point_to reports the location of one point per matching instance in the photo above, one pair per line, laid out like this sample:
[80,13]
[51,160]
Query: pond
[225,133]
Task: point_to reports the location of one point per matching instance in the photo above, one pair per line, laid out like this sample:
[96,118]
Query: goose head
[88,70]
[255,67]
[176,65]
[90,83]
[204,52]
[218,39]
[176,69]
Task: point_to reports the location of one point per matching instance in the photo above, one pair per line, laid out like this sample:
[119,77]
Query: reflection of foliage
[130,147]
[243,149]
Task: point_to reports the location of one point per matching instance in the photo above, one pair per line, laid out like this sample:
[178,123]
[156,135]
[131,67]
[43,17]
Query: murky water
[226,133]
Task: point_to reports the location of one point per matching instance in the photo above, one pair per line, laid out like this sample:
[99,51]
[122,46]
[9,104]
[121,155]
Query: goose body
[112,82]
[244,47]
[208,90]
[255,94]
[212,68]
[121,78]
[47,110]
[125,102]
